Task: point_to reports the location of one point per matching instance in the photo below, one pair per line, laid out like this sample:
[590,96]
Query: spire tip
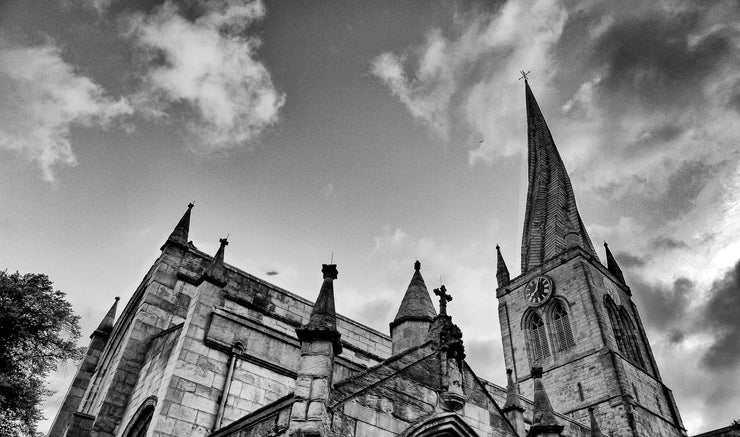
[417,265]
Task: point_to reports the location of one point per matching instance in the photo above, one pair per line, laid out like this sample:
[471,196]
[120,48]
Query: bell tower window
[536,338]
[564,334]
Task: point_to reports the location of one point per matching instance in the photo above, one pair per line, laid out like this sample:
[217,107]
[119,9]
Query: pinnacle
[416,302]
[179,235]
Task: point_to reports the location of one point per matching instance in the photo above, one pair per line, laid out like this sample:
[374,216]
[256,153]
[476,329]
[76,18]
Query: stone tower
[574,317]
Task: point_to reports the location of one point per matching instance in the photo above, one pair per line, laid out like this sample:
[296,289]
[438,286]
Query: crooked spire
[551,206]
[106,325]
[416,304]
[502,272]
[611,264]
[323,321]
[179,235]
[216,272]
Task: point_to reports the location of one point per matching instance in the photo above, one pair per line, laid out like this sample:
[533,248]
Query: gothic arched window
[141,420]
[564,335]
[536,337]
[633,348]
[624,332]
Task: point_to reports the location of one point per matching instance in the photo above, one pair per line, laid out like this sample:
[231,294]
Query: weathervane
[524,75]
[443,299]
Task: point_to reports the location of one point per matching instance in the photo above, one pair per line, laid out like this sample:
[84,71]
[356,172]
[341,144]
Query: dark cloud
[654,137]
[663,307]
[627,260]
[721,316]
[664,243]
[661,59]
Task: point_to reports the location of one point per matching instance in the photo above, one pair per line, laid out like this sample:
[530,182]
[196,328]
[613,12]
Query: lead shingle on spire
[551,205]
[179,235]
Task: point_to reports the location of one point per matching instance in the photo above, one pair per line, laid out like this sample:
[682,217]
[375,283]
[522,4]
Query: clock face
[538,290]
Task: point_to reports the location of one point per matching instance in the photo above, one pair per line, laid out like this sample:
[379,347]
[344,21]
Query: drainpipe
[236,350]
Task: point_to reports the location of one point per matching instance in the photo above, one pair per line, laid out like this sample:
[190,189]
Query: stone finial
[611,264]
[106,325]
[551,205]
[443,299]
[417,265]
[323,321]
[179,235]
[215,273]
[502,272]
[595,430]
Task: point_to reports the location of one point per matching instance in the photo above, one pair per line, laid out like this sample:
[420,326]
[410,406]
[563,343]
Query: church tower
[573,317]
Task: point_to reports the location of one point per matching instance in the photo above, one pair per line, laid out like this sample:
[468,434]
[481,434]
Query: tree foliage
[38,331]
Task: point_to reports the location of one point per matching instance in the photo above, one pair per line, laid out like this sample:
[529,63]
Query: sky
[378,133]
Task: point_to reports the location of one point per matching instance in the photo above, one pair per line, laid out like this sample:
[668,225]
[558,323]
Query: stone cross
[443,299]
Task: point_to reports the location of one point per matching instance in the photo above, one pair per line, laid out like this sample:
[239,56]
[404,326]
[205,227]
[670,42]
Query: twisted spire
[551,206]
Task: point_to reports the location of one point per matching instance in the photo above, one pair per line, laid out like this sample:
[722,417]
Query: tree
[38,331]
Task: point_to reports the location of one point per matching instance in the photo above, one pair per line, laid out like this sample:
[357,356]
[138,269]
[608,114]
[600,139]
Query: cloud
[44,97]
[205,70]
[462,70]
[720,317]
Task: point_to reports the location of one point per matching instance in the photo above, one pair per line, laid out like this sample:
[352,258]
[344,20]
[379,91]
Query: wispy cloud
[209,65]
[43,98]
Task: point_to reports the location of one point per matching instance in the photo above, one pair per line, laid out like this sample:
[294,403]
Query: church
[205,349]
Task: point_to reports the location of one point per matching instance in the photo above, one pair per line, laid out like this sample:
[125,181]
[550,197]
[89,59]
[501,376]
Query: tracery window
[536,338]
[624,332]
[563,332]
[141,420]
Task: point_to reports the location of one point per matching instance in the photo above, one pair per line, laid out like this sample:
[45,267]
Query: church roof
[551,206]
[416,303]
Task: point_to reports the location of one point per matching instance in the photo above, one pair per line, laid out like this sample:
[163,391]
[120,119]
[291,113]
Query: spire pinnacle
[512,394]
[179,235]
[502,272]
[551,206]
[323,320]
[416,303]
[543,414]
[106,325]
[611,264]
[595,430]
[215,272]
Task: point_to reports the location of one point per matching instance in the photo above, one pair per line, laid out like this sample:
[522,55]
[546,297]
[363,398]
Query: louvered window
[562,327]
[538,348]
